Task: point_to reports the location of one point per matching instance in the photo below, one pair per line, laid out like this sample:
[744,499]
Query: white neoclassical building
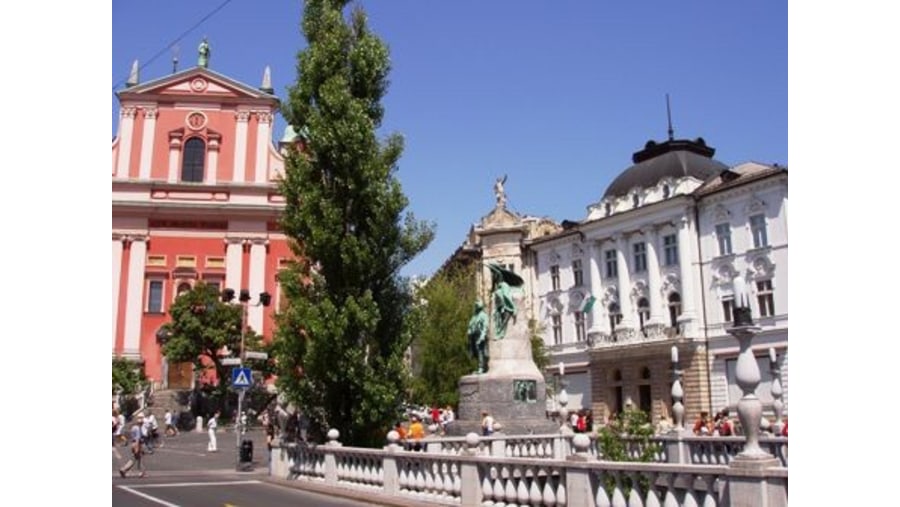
[651,267]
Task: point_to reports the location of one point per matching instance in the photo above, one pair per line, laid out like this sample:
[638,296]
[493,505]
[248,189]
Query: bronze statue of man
[477,334]
[504,306]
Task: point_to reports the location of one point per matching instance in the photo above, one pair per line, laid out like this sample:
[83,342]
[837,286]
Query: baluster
[487,488]
[601,499]
[420,479]
[710,498]
[548,494]
[499,495]
[652,499]
[618,497]
[634,496]
[671,499]
[534,492]
[510,494]
[522,495]
[429,479]
[690,496]
[561,491]
[457,480]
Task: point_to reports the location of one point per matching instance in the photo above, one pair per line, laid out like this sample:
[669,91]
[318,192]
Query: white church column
[126,132]
[174,156]
[240,146]
[688,319]
[134,302]
[150,114]
[598,324]
[116,283]
[212,160]
[234,251]
[257,282]
[624,282]
[656,306]
[264,124]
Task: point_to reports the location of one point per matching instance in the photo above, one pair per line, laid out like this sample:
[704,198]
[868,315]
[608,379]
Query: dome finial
[669,114]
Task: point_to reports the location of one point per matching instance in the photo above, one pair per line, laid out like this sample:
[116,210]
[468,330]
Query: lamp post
[244,299]
[747,372]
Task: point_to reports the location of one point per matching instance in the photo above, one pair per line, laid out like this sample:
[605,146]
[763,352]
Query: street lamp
[244,298]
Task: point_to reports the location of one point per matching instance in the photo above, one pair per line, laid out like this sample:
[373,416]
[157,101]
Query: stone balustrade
[478,471]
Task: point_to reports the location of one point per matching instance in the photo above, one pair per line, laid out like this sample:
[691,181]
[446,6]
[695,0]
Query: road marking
[194,484]
[148,497]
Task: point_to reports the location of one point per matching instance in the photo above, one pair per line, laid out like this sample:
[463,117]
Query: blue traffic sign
[241,377]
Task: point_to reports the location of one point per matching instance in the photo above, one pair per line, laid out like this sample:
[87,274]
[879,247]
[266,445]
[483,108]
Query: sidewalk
[187,452]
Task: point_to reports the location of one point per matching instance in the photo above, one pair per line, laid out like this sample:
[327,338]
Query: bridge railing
[475,476]
[678,448]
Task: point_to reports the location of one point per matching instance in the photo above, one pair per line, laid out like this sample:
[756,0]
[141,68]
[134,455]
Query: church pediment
[196,83]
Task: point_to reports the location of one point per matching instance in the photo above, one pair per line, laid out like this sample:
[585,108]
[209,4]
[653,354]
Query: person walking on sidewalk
[212,425]
[137,449]
[171,430]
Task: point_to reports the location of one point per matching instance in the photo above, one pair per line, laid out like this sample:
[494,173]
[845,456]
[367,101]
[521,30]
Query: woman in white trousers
[212,424]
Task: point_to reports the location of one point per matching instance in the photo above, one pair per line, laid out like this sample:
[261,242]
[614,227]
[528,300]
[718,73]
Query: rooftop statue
[204,52]
[499,192]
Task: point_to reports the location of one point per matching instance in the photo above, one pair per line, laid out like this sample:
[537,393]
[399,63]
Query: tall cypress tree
[342,333]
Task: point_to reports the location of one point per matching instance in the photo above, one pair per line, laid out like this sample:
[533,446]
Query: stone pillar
[624,277]
[688,319]
[150,114]
[657,306]
[134,303]
[240,146]
[471,494]
[234,256]
[257,282]
[391,477]
[578,480]
[126,132]
[263,133]
[331,477]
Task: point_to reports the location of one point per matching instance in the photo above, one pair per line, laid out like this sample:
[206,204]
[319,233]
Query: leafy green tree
[127,376]
[440,346]
[627,437]
[202,326]
[343,330]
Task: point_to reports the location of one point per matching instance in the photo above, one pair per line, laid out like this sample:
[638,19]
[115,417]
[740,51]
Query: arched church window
[193,160]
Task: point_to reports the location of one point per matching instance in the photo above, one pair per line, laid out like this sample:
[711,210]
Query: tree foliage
[201,327]
[440,345]
[127,376]
[342,332]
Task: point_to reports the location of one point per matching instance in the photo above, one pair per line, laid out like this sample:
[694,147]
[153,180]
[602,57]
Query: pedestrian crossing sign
[241,377]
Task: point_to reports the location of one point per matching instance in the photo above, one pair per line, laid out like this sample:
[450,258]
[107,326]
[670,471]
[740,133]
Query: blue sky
[556,95]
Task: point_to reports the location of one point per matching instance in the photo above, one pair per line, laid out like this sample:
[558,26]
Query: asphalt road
[182,473]
[219,491]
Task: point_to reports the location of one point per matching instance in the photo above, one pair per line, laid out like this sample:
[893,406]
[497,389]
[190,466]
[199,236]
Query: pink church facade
[194,197]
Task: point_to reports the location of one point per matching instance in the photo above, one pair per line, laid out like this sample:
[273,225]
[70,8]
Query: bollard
[199,428]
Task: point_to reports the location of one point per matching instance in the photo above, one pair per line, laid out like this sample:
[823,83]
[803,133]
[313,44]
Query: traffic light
[265,298]
[245,296]
[227,295]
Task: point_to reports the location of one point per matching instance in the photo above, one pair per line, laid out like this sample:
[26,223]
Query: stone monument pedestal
[502,397]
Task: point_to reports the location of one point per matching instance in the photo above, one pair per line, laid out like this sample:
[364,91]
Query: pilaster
[150,114]
[126,132]
[263,133]
[257,281]
[234,248]
[240,146]
[135,296]
[656,303]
